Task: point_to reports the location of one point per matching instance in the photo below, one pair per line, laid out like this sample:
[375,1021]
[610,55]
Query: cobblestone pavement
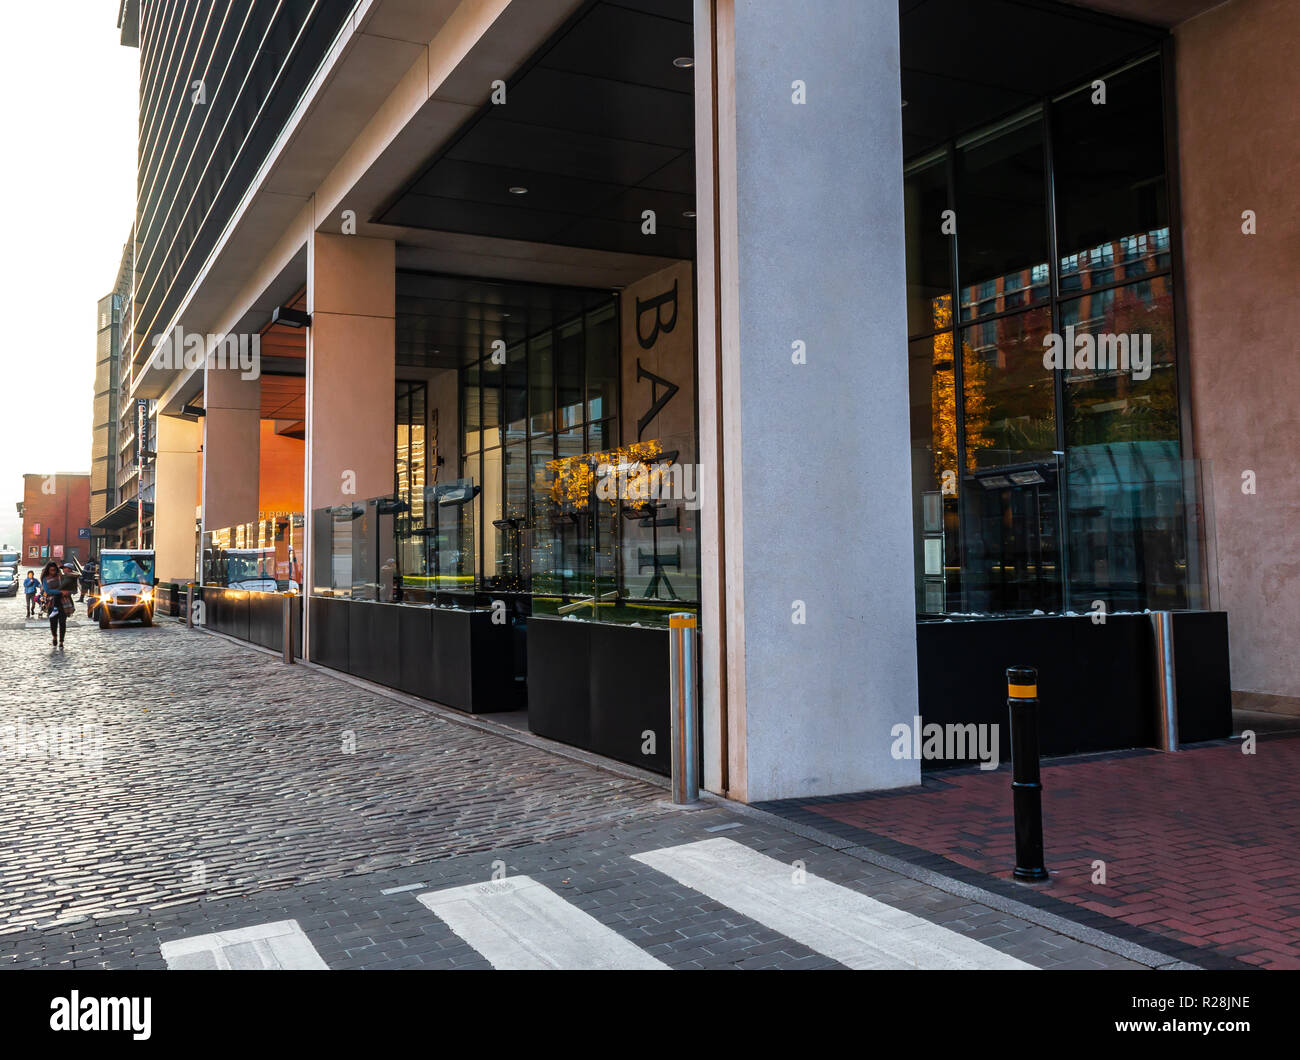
[162,783]
[1201,847]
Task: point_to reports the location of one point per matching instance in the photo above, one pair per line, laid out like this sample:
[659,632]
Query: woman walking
[52,584]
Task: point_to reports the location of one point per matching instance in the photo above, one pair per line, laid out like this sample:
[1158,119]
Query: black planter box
[329,632]
[1096,681]
[602,687]
[255,617]
[226,611]
[457,658]
[167,599]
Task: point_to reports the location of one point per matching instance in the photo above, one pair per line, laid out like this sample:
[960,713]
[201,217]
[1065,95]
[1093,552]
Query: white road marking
[281,945]
[518,923]
[402,890]
[839,923]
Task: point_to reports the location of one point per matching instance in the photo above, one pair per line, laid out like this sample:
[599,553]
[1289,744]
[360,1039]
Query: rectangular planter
[457,658]
[329,632]
[1096,684]
[602,687]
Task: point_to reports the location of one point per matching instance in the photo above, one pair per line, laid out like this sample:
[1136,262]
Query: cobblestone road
[162,783]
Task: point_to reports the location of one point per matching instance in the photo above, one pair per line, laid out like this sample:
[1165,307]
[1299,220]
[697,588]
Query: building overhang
[122,516]
[400,83]
[1157,12]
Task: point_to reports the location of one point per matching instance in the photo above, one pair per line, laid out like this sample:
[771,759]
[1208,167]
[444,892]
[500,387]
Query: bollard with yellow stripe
[1026,780]
[1022,682]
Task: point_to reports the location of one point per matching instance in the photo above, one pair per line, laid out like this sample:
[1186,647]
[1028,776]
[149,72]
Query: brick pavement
[1201,847]
[221,797]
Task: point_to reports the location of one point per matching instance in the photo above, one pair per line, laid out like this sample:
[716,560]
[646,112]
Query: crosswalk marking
[282,945]
[839,923]
[518,923]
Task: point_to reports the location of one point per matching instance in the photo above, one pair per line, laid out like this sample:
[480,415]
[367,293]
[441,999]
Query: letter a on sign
[657,400]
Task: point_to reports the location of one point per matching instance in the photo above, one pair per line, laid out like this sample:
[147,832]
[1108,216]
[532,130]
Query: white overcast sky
[67,192]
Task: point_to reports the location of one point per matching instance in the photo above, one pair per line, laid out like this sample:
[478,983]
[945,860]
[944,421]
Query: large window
[412,449]
[555,396]
[1041,482]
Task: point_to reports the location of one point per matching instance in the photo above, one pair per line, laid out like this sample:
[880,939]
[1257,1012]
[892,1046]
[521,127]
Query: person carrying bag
[52,584]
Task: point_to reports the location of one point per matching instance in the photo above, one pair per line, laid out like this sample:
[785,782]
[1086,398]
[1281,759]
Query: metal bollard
[681,676]
[189,606]
[1026,786]
[1162,624]
[286,634]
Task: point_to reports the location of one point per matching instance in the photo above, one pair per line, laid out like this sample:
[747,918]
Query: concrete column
[231,447]
[351,356]
[802,241]
[176,490]
[1240,300]
[352,298]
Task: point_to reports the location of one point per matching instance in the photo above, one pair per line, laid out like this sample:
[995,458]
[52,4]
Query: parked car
[9,581]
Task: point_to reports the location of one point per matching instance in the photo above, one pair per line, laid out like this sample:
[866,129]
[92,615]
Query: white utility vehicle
[126,586]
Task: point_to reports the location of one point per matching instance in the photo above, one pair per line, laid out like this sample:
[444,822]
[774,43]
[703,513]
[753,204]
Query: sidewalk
[174,799]
[1201,849]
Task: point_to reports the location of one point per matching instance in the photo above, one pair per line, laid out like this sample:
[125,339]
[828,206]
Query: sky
[67,192]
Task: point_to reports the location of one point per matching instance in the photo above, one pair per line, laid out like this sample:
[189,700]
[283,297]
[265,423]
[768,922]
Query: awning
[123,515]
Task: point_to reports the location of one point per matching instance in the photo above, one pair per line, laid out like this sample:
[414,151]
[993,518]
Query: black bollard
[1026,787]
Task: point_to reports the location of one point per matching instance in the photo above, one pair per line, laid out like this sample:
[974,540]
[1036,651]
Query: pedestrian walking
[30,585]
[52,583]
[87,580]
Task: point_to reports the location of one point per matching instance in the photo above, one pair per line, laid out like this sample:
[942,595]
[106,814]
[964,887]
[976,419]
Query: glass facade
[529,420]
[536,498]
[1047,462]
[263,556]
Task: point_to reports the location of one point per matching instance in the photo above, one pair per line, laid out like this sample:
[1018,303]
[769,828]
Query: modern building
[117,518]
[900,341]
[55,511]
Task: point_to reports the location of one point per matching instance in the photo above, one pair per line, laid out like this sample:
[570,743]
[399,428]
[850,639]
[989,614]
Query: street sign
[83,531]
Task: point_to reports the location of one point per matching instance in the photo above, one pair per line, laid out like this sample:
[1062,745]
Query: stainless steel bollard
[1162,624]
[286,634]
[189,606]
[682,652]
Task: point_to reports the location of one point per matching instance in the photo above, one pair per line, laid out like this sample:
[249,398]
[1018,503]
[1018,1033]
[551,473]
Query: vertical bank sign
[141,432]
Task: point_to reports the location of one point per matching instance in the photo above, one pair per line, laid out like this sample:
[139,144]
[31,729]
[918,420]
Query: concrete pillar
[176,488]
[352,298]
[231,447]
[1240,301]
[808,598]
[351,356]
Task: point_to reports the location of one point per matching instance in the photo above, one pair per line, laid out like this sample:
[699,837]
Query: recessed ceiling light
[684,62]
[518,190]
